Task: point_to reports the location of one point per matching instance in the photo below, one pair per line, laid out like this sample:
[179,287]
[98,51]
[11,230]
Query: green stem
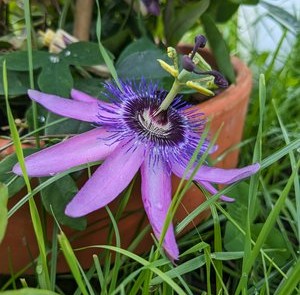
[176,87]
[30,62]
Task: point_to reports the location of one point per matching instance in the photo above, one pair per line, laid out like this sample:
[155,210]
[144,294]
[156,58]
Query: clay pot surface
[10,148]
[227,108]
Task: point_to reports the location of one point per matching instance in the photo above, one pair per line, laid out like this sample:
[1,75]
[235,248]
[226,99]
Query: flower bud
[200,42]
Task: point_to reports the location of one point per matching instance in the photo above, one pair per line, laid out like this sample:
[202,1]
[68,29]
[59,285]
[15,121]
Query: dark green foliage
[52,70]
[55,198]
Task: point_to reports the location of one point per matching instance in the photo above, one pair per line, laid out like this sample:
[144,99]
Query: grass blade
[30,63]
[3,210]
[288,285]
[29,291]
[43,273]
[147,265]
[72,262]
[117,262]
[268,225]
[100,275]
[103,51]
[217,248]
[293,164]
[254,181]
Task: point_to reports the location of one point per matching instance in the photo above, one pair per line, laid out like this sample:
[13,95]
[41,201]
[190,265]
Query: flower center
[133,119]
[153,124]
[165,128]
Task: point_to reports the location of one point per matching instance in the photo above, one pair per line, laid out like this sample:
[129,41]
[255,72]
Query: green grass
[207,265]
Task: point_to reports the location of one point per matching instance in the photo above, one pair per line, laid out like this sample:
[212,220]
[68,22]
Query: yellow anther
[168,68]
[199,88]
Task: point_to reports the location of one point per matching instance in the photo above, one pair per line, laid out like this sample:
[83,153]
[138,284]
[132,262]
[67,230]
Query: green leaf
[3,210]
[274,246]
[143,64]
[18,83]
[70,126]
[225,10]
[6,175]
[238,208]
[183,19]
[82,54]
[18,60]
[117,40]
[92,86]
[140,45]
[218,47]
[56,196]
[274,242]
[56,78]
[150,70]
[233,238]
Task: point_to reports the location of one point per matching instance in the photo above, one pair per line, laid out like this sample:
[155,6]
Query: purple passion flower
[128,136]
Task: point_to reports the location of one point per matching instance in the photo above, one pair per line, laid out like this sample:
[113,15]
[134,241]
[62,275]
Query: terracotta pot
[5,151]
[229,108]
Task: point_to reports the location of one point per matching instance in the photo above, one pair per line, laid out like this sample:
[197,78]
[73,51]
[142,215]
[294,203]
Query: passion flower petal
[156,194]
[81,96]
[75,109]
[88,147]
[216,175]
[109,180]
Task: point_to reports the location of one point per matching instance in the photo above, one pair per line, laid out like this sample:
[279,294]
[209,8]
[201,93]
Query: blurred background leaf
[55,198]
